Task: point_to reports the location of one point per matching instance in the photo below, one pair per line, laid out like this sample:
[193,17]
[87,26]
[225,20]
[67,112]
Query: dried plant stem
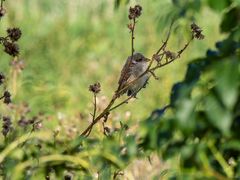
[132,33]
[166,41]
[123,102]
[94,110]
[185,47]
[95,105]
[105,111]
[162,47]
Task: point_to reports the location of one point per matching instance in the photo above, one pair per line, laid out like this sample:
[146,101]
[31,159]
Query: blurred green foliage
[203,130]
[69,44]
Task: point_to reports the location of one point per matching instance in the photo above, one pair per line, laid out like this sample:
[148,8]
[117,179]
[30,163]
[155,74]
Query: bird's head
[139,58]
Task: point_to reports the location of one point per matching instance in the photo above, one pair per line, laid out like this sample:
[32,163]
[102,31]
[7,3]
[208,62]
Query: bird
[134,67]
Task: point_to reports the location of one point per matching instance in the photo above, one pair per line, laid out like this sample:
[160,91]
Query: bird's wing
[125,74]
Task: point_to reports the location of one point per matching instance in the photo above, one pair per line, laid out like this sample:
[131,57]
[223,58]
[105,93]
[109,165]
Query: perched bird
[133,68]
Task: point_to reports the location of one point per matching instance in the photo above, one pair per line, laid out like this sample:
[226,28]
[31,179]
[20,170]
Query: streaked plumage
[132,69]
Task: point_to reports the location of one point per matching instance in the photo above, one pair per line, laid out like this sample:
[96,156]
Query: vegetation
[45,100]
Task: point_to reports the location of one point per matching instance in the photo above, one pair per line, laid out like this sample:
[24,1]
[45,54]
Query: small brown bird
[132,69]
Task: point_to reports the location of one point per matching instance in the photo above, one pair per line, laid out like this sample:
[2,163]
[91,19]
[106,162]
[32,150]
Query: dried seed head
[2,77]
[11,48]
[6,126]
[130,26]
[6,119]
[197,31]
[6,94]
[23,122]
[7,100]
[156,57]
[107,130]
[95,88]
[170,55]
[135,12]
[7,97]
[14,33]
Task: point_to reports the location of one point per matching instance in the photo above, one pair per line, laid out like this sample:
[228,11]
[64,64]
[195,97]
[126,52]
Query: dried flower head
[6,126]
[14,33]
[68,177]
[95,88]
[197,31]
[11,48]
[23,122]
[7,94]
[135,12]
[7,97]
[170,55]
[156,57]
[2,77]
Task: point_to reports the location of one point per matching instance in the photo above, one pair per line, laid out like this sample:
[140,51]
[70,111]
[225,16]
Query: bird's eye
[140,59]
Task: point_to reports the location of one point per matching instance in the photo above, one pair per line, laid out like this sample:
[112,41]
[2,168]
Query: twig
[124,101]
[162,47]
[132,32]
[154,75]
[105,111]
[94,110]
[95,106]
[168,36]
[117,173]
[185,47]
[171,60]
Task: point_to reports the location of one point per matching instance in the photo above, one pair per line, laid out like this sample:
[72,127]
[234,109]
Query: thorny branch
[155,63]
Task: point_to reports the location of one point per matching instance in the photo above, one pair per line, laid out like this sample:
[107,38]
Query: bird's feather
[135,65]
[125,74]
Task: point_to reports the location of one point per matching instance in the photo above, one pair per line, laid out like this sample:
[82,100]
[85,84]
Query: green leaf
[176,92]
[217,115]
[230,20]
[131,146]
[186,115]
[233,144]
[227,79]
[193,73]
[218,5]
